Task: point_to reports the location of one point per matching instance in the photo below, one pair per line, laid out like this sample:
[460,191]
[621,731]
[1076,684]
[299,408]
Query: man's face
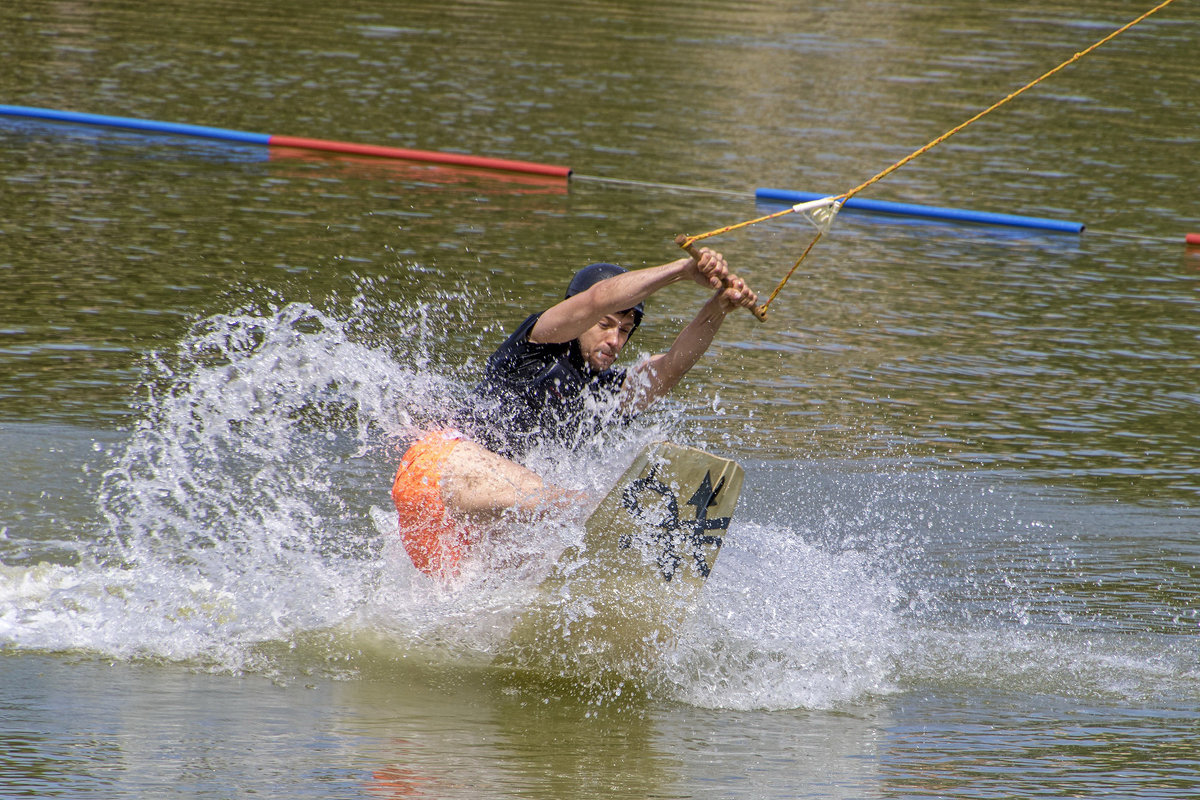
[601,343]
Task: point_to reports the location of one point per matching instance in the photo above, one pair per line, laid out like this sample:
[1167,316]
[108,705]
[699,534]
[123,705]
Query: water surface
[965,562]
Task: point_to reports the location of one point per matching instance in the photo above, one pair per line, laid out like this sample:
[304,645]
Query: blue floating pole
[928,212]
[131,123]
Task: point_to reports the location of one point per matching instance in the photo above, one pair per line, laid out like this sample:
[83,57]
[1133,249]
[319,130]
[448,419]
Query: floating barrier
[928,212]
[270,140]
[526,167]
[131,123]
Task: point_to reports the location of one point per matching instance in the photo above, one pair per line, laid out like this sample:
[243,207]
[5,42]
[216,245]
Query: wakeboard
[624,592]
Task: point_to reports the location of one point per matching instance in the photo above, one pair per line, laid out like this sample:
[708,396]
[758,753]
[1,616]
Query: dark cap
[592,274]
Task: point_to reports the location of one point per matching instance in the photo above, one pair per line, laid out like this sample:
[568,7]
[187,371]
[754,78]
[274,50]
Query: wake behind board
[647,550]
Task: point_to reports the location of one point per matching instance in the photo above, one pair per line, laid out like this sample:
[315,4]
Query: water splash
[786,624]
[245,524]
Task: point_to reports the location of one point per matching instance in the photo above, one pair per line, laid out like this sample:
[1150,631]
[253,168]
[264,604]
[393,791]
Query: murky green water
[965,563]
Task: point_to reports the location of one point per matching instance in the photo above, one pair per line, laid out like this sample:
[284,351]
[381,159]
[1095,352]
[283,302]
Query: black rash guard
[534,392]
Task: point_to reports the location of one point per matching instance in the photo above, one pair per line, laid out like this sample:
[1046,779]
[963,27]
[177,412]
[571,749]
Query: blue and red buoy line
[272,140]
[517,166]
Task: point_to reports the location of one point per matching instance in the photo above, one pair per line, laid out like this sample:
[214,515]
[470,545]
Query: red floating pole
[427,156]
[1193,238]
[286,141]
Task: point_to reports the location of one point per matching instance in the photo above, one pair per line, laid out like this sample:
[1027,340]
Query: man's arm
[570,318]
[655,377]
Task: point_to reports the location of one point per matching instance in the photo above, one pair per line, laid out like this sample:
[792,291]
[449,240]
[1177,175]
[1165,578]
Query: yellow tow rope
[760,311]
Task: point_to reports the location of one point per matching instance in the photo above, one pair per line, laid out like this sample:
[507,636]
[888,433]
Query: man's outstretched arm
[571,317]
[655,377]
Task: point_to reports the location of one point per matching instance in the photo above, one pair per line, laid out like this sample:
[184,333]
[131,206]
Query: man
[553,379]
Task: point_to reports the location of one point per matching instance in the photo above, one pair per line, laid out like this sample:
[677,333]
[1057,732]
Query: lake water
[966,562]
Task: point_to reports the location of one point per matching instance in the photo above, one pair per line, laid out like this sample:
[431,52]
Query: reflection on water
[1059,748]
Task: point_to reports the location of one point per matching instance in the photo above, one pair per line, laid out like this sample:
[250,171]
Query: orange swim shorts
[432,538]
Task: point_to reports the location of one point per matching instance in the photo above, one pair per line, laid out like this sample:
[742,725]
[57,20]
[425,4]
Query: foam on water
[248,511]
[785,624]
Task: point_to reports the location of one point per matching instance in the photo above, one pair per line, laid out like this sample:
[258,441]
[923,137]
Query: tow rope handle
[759,311]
